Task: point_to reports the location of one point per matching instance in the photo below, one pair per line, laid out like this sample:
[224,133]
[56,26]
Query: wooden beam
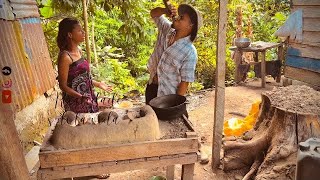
[219,84]
[306,3]
[311,38]
[117,152]
[170,172]
[304,51]
[187,171]
[13,165]
[308,11]
[94,169]
[311,24]
[306,76]
[86,29]
[303,63]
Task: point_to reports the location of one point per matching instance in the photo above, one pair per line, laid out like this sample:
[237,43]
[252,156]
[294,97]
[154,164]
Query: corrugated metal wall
[24,49]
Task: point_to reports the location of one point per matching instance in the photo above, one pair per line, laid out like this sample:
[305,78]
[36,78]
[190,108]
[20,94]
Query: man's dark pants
[151,92]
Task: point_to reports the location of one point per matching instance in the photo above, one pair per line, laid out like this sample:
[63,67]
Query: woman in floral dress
[73,70]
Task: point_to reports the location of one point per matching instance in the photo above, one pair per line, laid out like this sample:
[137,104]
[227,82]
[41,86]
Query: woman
[74,73]
[73,70]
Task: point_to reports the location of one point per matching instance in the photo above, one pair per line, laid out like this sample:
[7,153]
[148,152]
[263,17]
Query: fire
[236,126]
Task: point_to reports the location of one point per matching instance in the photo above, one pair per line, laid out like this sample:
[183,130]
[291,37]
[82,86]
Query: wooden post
[219,84]
[263,69]
[86,29]
[187,171]
[13,165]
[170,172]
[238,59]
[94,45]
[280,57]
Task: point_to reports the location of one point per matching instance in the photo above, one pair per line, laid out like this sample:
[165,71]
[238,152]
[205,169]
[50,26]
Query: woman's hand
[86,99]
[104,86]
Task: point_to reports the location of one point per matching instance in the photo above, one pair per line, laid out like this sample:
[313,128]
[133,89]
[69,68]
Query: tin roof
[24,50]
[17,9]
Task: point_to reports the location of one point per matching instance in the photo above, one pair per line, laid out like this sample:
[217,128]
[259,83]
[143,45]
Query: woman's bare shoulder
[64,57]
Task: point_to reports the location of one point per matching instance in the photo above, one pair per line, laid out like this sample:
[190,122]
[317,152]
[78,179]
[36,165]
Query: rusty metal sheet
[37,52]
[17,9]
[24,8]
[25,53]
[6,10]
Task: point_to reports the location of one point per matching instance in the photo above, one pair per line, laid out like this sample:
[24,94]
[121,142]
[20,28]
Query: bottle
[168,5]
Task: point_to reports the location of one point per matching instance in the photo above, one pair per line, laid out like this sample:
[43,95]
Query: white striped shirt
[174,63]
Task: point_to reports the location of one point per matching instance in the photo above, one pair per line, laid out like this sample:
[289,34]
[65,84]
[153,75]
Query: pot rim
[172,107]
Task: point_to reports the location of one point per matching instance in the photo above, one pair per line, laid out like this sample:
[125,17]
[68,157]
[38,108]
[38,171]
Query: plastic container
[308,161]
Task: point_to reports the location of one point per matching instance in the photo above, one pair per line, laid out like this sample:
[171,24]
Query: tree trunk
[274,143]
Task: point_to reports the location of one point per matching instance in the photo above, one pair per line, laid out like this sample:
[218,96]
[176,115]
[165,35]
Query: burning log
[287,116]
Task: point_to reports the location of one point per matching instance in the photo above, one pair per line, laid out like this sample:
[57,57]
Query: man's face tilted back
[183,23]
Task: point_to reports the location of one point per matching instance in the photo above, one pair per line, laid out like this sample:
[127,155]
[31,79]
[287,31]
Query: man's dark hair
[186,9]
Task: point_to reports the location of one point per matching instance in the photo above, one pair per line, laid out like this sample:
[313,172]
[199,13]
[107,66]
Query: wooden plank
[188,123]
[311,24]
[187,172]
[219,83]
[258,46]
[308,11]
[90,171]
[118,152]
[306,3]
[32,157]
[191,134]
[304,51]
[13,165]
[170,172]
[306,76]
[303,63]
[311,38]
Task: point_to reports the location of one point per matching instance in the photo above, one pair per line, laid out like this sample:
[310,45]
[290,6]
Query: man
[172,64]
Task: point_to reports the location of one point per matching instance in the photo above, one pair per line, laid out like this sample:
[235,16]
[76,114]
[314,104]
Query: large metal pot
[169,106]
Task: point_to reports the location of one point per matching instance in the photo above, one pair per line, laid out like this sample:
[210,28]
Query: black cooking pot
[169,106]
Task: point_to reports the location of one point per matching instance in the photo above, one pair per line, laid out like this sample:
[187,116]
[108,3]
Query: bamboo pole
[13,165]
[94,44]
[86,29]
[219,85]
[239,21]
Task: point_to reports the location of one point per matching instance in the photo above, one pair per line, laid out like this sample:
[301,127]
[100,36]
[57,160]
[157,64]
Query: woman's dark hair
[65,26]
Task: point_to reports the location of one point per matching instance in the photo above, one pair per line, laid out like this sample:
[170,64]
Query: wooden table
[55,164]
[257,47]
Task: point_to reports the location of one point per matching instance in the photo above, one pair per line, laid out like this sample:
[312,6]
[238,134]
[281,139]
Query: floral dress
[79,79]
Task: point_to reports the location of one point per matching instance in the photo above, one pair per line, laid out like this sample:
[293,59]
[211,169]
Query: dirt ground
[201,113]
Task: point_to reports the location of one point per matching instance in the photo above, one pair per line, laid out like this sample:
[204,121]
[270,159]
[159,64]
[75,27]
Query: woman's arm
[64,62]
[102,86]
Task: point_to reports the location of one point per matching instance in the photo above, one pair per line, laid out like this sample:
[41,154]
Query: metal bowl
[242,42]
[169,107]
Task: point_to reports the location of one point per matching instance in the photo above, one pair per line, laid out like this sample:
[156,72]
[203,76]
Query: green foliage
[125,35]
